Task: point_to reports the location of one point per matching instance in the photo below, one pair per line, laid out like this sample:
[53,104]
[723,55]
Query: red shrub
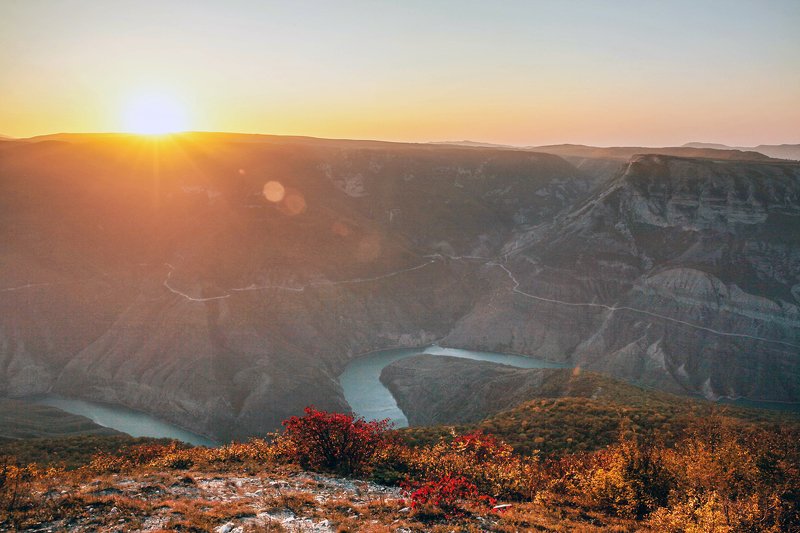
[334,441]
[449,495]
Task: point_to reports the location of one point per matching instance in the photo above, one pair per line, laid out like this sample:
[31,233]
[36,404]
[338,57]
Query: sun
[154,114]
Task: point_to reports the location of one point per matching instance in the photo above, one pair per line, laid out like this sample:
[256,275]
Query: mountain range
[223,281]
[691,149]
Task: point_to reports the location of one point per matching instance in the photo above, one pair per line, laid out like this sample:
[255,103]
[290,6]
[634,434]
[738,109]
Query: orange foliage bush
[482,459]
[734,477]
[628,480]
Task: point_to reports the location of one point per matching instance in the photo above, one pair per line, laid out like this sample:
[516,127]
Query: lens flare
[340,228]
[274,191]
[293,203]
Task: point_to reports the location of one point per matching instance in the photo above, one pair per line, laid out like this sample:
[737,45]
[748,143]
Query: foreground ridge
[334,472]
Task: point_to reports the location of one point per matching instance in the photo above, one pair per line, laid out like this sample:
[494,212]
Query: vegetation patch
[719,473]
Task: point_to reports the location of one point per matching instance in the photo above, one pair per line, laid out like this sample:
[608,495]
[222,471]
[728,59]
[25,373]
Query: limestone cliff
[679,273]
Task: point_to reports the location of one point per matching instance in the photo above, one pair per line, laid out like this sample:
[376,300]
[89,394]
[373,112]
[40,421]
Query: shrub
[175,460]
[695,515]
[13,483]
[107,463]
[147,453]
[481,447]
[334,442]
[393,463]
[629,480]
[449,496]
[482,459]
[737,474]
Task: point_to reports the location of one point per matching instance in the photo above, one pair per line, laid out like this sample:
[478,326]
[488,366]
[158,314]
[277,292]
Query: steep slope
[433,390]
[681,274]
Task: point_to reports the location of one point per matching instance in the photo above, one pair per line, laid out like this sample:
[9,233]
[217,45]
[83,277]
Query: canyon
[159,276]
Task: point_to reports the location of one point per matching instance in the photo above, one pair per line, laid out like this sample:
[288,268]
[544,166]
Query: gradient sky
[530,72]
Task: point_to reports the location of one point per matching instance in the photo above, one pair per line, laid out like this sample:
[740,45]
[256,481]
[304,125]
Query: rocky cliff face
[679,274]
[162,277]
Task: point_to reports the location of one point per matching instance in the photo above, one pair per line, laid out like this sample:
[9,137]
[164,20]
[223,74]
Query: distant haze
[607,73]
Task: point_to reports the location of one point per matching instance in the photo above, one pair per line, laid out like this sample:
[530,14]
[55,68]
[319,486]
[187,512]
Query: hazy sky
[529,72]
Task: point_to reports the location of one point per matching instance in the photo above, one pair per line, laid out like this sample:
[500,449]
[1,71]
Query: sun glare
[154,114]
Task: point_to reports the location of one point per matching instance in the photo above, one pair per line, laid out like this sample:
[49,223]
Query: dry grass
[295,501]
[205,515]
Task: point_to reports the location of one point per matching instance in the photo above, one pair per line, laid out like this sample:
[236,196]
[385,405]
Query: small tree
[334,442]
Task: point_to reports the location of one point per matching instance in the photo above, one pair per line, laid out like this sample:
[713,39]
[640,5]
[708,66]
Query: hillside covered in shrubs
[331,472]
[563,411]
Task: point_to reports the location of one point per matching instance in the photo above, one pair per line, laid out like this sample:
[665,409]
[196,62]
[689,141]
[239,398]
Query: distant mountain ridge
[778,151]
[476,144]
[711,146]
[691,149]
[623,153]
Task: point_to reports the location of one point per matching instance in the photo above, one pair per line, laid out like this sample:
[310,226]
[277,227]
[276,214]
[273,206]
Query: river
[368,397]
[360,383]
[134,423]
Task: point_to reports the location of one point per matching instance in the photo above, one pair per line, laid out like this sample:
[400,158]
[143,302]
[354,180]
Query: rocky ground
[220,502]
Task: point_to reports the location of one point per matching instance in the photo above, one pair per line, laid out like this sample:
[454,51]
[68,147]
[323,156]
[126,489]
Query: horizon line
[478,143]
